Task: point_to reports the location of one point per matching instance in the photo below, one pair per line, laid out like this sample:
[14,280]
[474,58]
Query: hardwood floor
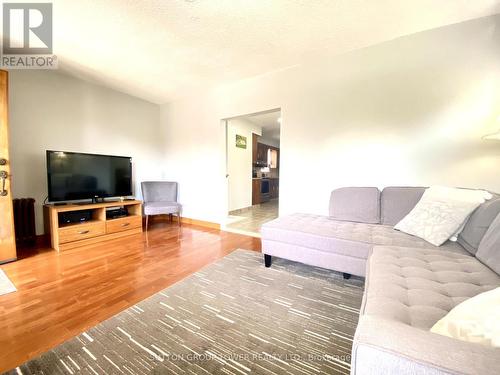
[62,294]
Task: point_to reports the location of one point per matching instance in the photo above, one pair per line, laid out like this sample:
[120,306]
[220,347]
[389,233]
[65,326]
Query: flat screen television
[79,176]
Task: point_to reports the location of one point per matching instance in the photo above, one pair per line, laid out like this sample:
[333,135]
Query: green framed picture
[241,141]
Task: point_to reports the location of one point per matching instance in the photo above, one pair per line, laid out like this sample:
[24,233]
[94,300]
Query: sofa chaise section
[407,291]
[340,245]
[343,240]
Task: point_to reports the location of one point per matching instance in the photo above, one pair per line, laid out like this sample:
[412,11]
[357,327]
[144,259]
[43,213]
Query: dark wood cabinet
[256,191]
[255,143]
[274,189]
[262,152]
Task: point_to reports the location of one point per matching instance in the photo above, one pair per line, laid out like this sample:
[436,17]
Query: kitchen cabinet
[274,189]
[273,158]
[267,154]
[262,152]
[255,143]
[256,191]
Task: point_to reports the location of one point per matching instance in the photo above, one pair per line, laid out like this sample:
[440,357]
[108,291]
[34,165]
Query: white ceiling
[269,123]
[161,50]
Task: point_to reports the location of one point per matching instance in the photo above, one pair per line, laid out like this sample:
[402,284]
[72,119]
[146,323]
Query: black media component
[74,217]
[116,212]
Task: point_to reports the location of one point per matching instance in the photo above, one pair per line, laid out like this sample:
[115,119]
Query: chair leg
[147,222]
[179,218]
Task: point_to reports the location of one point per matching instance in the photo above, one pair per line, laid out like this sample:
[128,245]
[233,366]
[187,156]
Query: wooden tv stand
[69,236]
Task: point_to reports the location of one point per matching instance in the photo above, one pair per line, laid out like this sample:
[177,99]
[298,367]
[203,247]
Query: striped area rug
[232,317]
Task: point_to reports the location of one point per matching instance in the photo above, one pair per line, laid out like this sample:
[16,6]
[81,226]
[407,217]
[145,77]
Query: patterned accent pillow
[440,213]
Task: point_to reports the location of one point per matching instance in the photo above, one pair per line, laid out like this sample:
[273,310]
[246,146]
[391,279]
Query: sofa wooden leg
[267,260]
[346,275]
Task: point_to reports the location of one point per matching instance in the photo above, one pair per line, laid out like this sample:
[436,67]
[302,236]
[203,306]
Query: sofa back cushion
[397,201]
[359,204]
[489,248]
[478,223]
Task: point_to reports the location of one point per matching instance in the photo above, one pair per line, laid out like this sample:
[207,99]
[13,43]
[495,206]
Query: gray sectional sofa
[410,284]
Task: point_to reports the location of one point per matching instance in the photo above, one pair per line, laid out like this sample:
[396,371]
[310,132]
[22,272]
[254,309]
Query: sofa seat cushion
[161,208]
[341,237]
[417,287]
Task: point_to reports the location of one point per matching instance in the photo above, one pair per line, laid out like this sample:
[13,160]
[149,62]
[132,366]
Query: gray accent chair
[160,198]
[409,283]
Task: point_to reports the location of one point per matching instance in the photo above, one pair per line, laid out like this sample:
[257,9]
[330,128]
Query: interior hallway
[249,220]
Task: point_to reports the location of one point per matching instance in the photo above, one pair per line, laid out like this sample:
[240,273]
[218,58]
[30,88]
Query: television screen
[75,176]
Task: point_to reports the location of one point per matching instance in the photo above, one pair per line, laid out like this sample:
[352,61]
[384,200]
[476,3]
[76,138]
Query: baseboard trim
[8,260]
[201,223]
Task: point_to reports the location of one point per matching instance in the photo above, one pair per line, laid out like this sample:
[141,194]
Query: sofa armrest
[386,347]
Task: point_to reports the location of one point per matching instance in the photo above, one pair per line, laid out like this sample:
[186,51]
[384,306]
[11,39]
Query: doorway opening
[252,171]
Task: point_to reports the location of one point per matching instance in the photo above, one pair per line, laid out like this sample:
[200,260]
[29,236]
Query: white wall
[49,110]
[239,163]
[406,112]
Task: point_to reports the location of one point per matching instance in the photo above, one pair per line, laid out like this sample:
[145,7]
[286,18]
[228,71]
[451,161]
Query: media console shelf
[98,228]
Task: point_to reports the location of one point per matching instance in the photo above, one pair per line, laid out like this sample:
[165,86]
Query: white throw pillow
[475,320]
[460,194]
[455,235]
[441,212]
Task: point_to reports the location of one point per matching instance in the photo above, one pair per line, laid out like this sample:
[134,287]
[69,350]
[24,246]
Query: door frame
[224,128]
[8,251]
